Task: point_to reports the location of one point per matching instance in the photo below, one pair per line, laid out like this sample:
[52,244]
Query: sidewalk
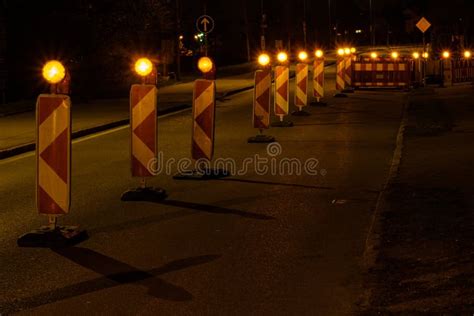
[18,131]
[425,232]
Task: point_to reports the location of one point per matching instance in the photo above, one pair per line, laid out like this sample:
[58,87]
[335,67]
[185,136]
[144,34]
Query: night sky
[98,38]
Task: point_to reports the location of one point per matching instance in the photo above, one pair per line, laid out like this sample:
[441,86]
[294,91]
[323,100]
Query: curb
[372,241]
[18,150]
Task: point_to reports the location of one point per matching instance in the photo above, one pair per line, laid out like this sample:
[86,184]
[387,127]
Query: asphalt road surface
[250,244]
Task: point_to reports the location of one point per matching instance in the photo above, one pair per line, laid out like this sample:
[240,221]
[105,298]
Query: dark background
[99,39]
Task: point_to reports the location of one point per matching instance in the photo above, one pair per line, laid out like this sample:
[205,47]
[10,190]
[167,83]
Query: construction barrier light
[263,59]
[353,50]
[303,56]
[374,55]
[425,55]
[54,72]
[395,55]
[205,64]
[340,52]
[347,51]
[416,55]
[446,54]
[143,67]
[282,57]
[319,53]
[467,54]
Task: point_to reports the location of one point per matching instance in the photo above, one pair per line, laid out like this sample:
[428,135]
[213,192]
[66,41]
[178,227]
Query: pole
[304,23]
[262,27]
[329,21]
[178,48]
[372,27]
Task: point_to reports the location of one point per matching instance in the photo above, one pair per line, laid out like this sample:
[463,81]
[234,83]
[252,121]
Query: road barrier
[261,105]
[53,154]
[143,124]
[348,71]
[381,73]
[301,89]
[203,119]
[282,95]
[340,73]
[462,70]
[318,79]
[282,91]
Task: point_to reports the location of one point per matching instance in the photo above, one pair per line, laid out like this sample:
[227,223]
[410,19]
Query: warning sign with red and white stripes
[53,154]
[282,91]
[301,92]
[318,78]
[203,119]
[261,101]
[143,124]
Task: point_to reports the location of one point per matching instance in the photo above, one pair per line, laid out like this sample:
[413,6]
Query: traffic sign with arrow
[205,24]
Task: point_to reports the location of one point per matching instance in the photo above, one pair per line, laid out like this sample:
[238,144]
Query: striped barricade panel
[318,79]
[53,154]
[143,124]
[203,119]
[301,89]
[381,74]
[261,100]
[282,91]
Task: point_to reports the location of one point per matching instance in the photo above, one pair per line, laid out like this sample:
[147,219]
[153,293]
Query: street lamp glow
[282,57]
[467,54]
[263,59]
[303,55]
[395,55]
[340,52]
[347,51]
[425,55]
[374,55]
[416,55]
[205,64]
[54,72]
[143,67]
[319,53]
[446,54]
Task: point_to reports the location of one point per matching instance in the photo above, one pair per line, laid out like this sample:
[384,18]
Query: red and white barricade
[318,79]
[282,91]
[261,100]
[203,119]
[381,73]
[301,89]
[53,154]
[340,73]
[143,123]
[463,70]
[348,71]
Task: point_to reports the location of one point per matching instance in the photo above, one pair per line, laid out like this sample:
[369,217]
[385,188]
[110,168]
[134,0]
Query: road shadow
[277,183]
[215,209]
[114,273]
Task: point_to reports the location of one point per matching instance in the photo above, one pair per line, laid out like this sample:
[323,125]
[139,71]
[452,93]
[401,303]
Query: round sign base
[47,237]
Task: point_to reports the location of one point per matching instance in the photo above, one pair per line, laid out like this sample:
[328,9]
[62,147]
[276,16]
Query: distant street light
[446,54]
[143,67]
[467,54]
[54,72]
